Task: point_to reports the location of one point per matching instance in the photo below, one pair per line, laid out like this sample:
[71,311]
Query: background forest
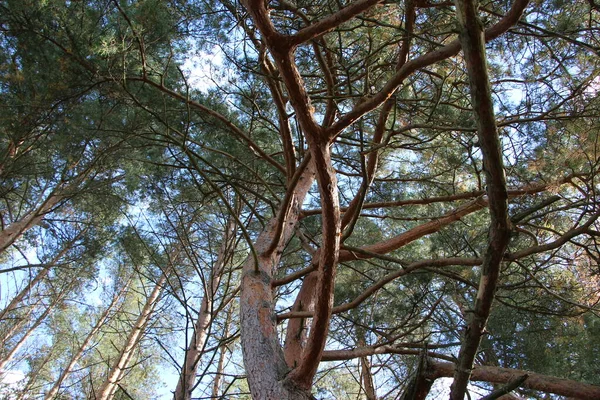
[299,199]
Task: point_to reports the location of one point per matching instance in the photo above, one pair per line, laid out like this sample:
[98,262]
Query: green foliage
[145,171]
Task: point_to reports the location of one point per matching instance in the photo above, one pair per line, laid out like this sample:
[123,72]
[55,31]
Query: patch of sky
[441,390]
[12,276]
[11,283]
[203,69]
[209,67]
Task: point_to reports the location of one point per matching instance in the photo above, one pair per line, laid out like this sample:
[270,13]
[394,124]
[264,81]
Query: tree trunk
[8,358]
[473,44]
[367,379]
[22,320]
[263,355]
[101,320]
[116,372]
[38,278]
[194,351]
[216,389]
[26,392]
[14,231]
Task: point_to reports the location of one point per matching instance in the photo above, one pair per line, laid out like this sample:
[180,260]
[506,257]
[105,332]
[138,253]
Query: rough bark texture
[263,355]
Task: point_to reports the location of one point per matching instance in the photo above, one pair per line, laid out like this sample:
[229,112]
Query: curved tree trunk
[263,355]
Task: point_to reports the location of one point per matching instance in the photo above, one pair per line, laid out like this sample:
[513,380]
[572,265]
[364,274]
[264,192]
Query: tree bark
[194,351]
[14,231]
[8,358]
[84,345]
[116,372]
[473,44]
[263,355]
[543,383]
[367,379]
[304,373]
[22,320]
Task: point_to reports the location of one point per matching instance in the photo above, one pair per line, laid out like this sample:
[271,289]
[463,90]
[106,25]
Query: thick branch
[328,259]
[543,383]
[473,44]
[331,22]
[283,54]
[337,355]
[451,49]
[417,232]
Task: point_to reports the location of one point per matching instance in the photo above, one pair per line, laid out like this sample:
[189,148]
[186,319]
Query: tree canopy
[295,199]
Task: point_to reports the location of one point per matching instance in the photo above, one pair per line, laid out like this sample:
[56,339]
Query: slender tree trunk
[8,358]
[14,231]
[22,320]
[194,351]
[116,372]
[38,278]
[26,392]
[216,389]
[367,379]
[366,376]
[24,292]
[101,320]
[62,191]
